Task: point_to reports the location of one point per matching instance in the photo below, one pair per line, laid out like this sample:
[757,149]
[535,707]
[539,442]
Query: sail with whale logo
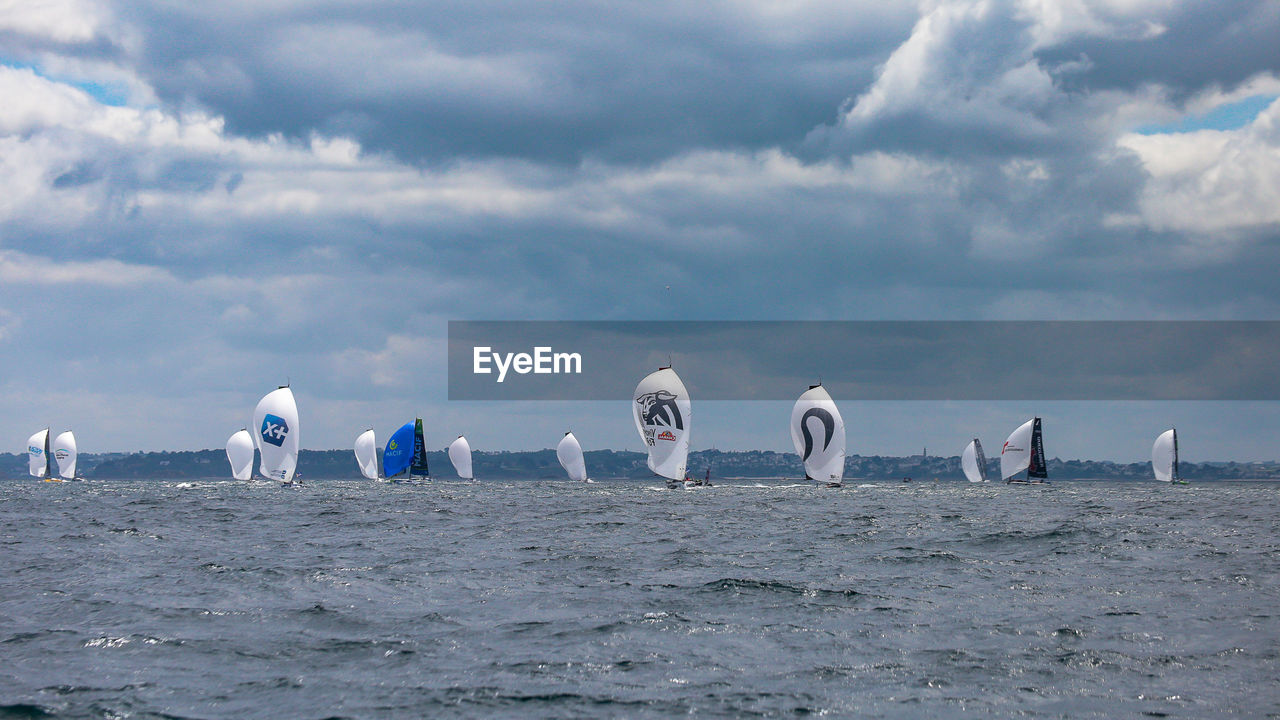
[240,454]
[973,462]
[406,451]
[367,454]
[569,453]
[817,432]
[275,423]
[1024,450]
[662,413]
[39,459]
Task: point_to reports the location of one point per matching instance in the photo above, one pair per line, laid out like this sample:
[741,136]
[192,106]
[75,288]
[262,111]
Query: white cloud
[64,21]
[18,268]
[1211,181]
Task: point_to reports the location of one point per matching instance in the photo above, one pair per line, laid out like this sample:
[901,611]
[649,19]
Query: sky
[202,201]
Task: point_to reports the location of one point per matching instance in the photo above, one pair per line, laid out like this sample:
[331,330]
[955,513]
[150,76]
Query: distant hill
[542,464]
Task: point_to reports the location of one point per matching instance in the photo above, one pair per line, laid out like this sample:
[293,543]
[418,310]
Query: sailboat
[662,413]
[1164,458]
[276,420]
[569,453]
[39,459]
[1024,450]
[974,462]
[817,432]
[240,454]
[406,451]
[460,456]
[64,451]
[367,454]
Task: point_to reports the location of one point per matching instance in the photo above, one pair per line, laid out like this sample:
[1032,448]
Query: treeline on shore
[613,464]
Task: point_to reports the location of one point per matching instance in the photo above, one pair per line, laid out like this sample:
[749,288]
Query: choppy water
[524,599]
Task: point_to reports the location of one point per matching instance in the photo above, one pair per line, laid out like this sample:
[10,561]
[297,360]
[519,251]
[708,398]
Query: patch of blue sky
[1231,116]
[105,93]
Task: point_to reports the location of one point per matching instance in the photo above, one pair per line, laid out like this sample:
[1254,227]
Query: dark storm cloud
[557,82]
[997,80]
[1204,45]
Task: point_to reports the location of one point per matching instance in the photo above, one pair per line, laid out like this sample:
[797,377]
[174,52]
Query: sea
[551,599]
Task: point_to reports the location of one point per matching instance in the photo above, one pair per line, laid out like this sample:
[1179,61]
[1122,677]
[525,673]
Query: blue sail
[399,452]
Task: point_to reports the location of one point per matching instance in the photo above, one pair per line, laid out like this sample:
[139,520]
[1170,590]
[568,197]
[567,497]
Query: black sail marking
[981,458]
[659,409]
[828,422]
[1036,468]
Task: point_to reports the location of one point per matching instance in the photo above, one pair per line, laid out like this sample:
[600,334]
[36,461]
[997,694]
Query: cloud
[61,21]
[18,268]
[1212,183]
[437,81]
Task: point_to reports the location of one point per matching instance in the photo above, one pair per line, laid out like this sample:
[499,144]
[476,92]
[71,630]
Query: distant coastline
[626,464]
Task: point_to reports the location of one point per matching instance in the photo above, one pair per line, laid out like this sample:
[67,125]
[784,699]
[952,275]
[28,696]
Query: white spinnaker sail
[460,456]
[1015,456]
[662,414]
[240,454]
[970,464]
[275,423]
[37,456]
[367,454]
[64,451]
[569,453]
[817,431]
[1163,457]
